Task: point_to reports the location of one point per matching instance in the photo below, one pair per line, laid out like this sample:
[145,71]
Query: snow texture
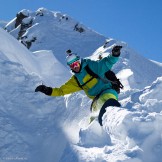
[39,128]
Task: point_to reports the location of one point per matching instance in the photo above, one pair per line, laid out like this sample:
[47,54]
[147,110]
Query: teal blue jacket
[99,67]
[96,85]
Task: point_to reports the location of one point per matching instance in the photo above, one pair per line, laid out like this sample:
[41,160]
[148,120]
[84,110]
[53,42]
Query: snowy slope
[41,63]
[61,33]
[38,128]
[29,123]
[135,71]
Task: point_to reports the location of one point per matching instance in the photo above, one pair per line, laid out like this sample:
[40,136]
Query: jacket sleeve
[110,61]
[70,86]
[103,65]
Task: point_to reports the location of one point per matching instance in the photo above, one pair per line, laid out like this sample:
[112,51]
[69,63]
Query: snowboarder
[89,76]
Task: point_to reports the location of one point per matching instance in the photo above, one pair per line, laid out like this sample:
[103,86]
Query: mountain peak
[61,33]
[35,125]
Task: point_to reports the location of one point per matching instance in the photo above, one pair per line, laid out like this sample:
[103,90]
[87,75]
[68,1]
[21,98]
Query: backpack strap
[94,75]
[110,77]
[91,73]
[116,84]
[78,82]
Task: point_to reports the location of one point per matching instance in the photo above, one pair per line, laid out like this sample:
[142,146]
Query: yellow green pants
[98,103]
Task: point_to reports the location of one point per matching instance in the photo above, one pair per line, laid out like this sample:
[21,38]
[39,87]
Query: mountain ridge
[36,127]
[35,32]
[60,35]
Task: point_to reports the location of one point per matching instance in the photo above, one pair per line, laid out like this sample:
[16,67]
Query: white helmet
[72,57]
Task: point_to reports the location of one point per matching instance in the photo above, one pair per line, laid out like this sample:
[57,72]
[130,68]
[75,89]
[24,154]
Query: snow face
[138,132]
[35,127]
[25,12]
[41,63]
[61,33]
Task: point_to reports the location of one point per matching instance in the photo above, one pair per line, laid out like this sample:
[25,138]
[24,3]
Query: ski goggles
[74,64]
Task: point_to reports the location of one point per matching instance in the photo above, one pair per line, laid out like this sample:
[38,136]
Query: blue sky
[136,22]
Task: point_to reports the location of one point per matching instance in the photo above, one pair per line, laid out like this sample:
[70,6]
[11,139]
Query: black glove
[44,89]
[116,51]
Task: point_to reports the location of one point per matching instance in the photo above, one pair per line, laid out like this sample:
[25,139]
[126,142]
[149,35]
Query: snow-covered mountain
[63,32]
[38,128]
[53,31]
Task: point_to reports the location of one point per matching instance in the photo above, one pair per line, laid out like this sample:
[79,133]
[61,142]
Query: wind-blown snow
[39,128]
